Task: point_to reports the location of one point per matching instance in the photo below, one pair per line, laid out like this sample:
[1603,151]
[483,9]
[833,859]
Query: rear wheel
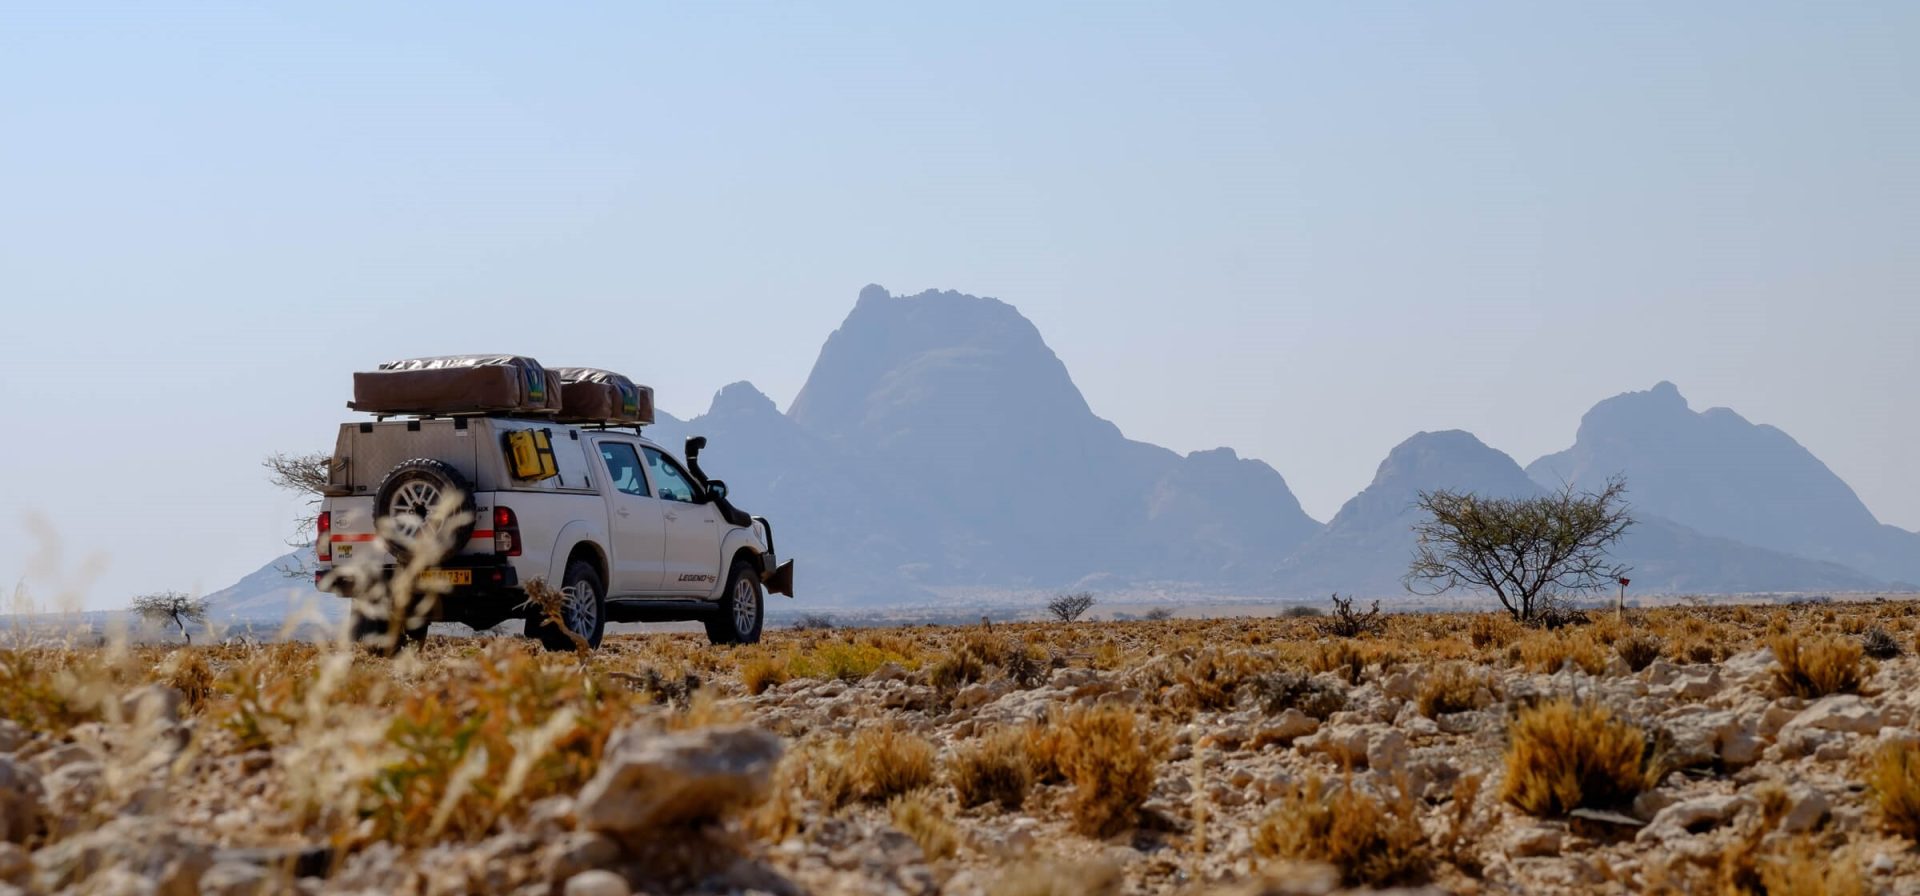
[742,609]
[407,499]
[583,607]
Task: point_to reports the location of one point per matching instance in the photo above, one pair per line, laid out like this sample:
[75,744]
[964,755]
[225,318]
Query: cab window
[623,466]
[674,485]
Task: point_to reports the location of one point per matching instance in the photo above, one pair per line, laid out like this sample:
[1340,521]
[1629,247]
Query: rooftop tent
[458,384]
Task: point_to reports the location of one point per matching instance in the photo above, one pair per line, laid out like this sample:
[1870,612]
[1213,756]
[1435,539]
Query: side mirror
[716,490]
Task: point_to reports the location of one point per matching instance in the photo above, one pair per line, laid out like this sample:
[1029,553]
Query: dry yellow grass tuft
[1452,688]
[1373,842]
[1813,667]
[1563,756]
[993,769]
[917,815]
[1893,777]
[761,672]
[1109,755]
[888,762]
[1639,649]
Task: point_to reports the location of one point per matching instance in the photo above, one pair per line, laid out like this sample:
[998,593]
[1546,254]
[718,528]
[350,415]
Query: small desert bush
[955,669]
[888,762]
[1339,657]
[1370,841]
[1893,778]
[1283,689]
[759,673]
[918,816]
[1639,650]
[844,660]
[1109,755]
[1563,756]
[993,769]
[186,670]
[491,738]
[1212,678]
[1551,651]
[1879,643]
[1451,688]
[1493,630]
[1814,667]
[1347,622]
[1801,866]
[39,691]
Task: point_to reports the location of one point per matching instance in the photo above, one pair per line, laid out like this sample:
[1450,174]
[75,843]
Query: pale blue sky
[1305,231]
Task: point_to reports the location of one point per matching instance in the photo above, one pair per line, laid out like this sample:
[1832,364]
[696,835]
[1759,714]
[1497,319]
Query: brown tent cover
[592,395]
[458,384]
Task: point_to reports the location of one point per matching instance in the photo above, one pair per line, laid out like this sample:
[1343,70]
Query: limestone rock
[146,848]
[22,801]
[1840,712]
[598,882]
[1694,816]
[1533,840]
[651,781]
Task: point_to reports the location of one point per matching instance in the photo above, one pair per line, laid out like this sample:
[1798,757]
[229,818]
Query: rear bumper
[488,576]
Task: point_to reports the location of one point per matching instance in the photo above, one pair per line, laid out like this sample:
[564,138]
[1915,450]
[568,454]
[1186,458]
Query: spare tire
[408,496]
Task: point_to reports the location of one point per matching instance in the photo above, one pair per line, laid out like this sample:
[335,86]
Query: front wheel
[583,608]
[742,607]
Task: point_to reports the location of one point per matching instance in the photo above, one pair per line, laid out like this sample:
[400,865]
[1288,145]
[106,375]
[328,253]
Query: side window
[674,485]
[623,466]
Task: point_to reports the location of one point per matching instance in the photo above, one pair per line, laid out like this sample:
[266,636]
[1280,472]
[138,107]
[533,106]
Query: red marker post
[1620,604]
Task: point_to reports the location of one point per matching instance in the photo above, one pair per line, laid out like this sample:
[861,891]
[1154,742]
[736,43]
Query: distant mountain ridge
[1366,546]
[939,443]
[1717,473]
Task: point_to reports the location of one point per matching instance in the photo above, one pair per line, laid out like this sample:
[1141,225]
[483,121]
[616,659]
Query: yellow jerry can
[530,454]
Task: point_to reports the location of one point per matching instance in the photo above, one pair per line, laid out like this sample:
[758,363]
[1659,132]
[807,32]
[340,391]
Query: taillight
[323,538]
[506,532]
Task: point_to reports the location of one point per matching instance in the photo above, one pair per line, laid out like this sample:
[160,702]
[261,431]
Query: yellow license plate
[448,576]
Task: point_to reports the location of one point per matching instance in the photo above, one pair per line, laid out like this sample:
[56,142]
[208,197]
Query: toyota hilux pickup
[566,526]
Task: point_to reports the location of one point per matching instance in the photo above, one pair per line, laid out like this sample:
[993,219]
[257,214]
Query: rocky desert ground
[1747,749]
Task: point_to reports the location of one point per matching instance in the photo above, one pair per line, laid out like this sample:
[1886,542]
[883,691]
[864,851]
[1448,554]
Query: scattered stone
[15,863]
[146,848]
[238,879]
[1806,809]
[1840,712]
[22,801]
[1694,816]
[12,736]
[150,704]
[598,882]
[1534,840]
[650,781]
[578,851]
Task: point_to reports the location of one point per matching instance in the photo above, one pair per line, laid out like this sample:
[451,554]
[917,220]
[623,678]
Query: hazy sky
[1305,231]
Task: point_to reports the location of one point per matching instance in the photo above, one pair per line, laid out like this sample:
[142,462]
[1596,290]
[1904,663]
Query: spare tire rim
[581,609]
[412,502]
[746,605]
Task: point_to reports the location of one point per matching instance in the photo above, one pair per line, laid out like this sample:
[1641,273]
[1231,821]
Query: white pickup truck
[622,530]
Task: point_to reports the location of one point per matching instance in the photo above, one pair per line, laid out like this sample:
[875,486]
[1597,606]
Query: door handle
[671,516]
[624,512]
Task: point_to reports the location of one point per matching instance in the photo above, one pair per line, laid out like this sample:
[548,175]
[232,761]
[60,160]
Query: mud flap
[781,580]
